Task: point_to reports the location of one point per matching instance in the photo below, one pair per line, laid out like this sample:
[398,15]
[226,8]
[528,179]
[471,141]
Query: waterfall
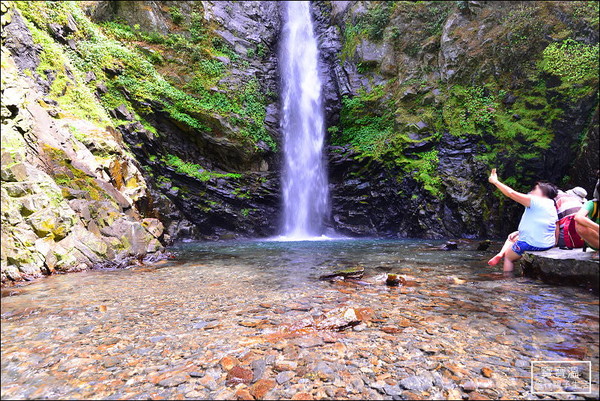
[305,192]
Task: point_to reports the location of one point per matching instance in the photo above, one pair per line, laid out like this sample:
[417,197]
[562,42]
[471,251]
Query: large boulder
[17,39]
[148,15]
[563,267]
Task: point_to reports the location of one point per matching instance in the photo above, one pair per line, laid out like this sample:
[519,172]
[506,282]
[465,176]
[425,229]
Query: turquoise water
[291,263]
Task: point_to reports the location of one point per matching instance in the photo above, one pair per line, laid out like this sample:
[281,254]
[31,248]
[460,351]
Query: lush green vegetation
[195,170]
[572,61]
[176,15]
[508,99]
[66,82]
[471,110]
[367,122]
[425,171]
[139,84]
[366,125]
[511,134]
[203,93]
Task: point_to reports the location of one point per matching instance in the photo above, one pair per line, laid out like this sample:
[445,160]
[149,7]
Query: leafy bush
[261,50]
[118,30]
[195,170]
[377,19]
[366,125]
[426,172]
[153,37]
[197,29]
[176,15]
[253,108]
[476,107]
[212,67]
[572,61]
[352,37]
[223,48]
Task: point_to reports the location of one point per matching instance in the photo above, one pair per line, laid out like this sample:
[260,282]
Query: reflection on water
[450,297]
[291,264]
[279,266]
[272,266]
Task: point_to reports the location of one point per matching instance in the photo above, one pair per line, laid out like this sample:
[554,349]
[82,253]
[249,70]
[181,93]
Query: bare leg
[496,259]
[509,260]
[589,235]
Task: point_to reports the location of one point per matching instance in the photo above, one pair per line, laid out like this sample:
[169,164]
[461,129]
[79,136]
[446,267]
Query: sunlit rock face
[69,187]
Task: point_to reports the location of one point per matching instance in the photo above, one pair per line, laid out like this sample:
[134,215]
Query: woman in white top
[538,229]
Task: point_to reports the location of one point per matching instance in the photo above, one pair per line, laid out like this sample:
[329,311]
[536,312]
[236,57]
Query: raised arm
[523,199]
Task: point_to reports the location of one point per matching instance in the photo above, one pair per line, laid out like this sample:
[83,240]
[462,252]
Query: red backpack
[571,237]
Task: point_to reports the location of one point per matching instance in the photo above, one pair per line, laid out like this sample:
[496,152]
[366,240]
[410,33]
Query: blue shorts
[520,247]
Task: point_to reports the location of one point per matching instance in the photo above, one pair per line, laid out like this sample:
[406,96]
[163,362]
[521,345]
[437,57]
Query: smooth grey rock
[417,383]
[147,15]
[392,390]
[285,376]
[258,369]
[558,266]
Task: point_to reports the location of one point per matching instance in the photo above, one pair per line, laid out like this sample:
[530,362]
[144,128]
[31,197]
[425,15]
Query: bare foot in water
[495,260]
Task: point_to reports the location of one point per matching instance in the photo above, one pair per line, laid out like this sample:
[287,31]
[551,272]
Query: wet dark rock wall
[377,197]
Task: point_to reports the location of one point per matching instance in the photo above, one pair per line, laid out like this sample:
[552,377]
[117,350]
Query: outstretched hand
[523,199]
[493,177]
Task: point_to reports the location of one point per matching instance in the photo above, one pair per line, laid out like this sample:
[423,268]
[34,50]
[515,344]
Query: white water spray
[305,191]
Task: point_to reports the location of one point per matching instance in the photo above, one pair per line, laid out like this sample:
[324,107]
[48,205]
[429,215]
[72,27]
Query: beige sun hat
[578,192]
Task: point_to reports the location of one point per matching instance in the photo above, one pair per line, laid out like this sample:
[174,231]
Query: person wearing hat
[567,205]
[578,192]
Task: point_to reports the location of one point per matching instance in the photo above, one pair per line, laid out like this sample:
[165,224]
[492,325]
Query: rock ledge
[564,267]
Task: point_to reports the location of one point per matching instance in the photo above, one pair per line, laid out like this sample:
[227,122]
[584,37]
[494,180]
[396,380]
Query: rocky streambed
[252,320]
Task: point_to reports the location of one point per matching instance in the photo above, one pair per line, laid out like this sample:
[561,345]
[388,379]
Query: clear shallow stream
[162,330]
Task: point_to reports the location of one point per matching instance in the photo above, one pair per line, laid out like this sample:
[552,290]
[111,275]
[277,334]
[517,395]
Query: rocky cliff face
[424,98]
[69,186]
[220,179]
[128,125]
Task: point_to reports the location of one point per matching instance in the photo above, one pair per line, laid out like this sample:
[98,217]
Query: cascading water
[305,192]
